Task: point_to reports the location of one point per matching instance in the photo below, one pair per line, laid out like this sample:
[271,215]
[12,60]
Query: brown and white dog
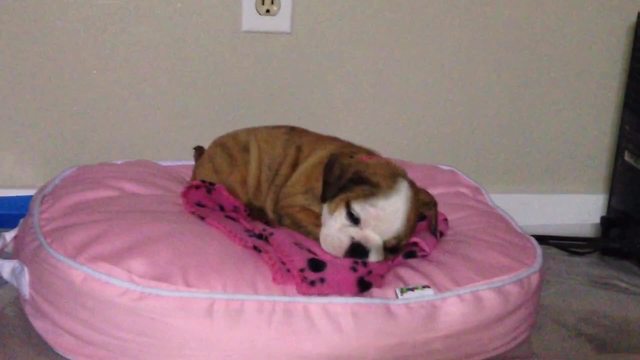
[355,202]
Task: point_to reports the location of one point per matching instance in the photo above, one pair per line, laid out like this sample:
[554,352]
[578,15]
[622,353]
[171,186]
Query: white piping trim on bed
[276,298]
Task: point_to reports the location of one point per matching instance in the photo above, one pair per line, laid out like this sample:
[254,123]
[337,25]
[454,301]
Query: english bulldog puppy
[356,203]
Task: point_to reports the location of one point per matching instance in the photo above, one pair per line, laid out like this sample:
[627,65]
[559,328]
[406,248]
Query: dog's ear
[341,174]
[427,208]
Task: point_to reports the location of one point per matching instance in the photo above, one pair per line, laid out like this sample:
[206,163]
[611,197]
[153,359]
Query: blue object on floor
[12,209]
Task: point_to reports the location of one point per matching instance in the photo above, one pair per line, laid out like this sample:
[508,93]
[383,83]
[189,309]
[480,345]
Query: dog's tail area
[198,151]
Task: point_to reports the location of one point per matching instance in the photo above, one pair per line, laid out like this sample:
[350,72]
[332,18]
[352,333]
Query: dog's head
[370,207]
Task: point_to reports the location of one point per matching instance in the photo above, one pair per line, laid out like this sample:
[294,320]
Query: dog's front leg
[259,214]
[301,219]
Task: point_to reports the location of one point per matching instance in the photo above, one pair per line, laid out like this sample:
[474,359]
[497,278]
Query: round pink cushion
[118,269]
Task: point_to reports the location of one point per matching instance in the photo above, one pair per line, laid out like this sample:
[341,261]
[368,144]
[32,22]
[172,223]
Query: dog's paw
[413,251]
[257,213]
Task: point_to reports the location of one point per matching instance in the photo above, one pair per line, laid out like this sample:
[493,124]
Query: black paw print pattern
[207,185]
[206,205]
[263,234]
[311,274]
[361,268]
[262,238]
[284,265]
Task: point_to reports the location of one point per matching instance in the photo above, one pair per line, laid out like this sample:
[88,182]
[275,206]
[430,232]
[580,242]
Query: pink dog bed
[110,265]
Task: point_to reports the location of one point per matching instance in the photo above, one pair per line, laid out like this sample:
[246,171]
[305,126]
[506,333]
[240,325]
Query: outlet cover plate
[254,22]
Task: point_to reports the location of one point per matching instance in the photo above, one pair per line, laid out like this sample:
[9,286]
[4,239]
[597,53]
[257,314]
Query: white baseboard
[16,192]
[550,214]
[555,214]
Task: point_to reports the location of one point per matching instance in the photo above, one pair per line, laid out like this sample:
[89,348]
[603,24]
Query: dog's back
[260,165]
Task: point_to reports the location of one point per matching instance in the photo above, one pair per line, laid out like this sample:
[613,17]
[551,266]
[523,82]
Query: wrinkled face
[369,228]
[369,207]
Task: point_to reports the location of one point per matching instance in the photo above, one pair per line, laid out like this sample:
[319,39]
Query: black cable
[574,245]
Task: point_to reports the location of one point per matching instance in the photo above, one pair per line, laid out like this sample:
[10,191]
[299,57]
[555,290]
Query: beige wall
[523,96]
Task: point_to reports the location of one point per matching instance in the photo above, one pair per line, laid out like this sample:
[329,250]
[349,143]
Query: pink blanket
[293,258]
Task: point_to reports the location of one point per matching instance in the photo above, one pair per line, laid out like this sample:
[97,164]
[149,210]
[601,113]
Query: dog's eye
[351,216]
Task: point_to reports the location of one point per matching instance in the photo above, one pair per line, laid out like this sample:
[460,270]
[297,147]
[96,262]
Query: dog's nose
[357,251]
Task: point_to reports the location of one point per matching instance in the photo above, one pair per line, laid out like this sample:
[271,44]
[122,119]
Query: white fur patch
[381,218]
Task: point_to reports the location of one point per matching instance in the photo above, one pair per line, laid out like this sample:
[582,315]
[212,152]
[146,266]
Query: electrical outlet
[267,15]
[268,7]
